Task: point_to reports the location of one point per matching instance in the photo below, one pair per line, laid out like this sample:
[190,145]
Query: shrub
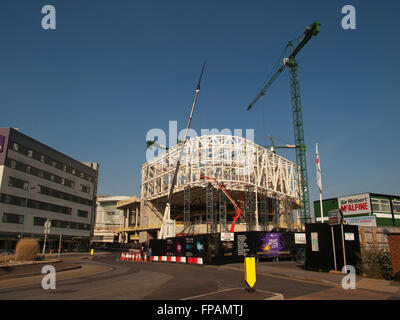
[26,249]
[376,263]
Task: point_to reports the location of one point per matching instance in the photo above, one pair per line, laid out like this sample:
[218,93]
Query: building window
[380,205]
[30,153]
[396,206]
[43,158]
[13,218]
[83,214]
[13,164]
[15,146]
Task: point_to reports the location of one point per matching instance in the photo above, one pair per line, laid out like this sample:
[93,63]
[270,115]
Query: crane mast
[168,226]
[290,62]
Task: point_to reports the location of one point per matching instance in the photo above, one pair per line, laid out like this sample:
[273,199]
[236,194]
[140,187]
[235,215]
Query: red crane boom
[237,209]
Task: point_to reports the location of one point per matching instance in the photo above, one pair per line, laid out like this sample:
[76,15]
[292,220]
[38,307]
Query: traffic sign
[250,271]
[335,217]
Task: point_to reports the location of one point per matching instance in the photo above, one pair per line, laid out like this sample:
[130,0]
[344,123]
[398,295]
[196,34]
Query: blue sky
[112,70]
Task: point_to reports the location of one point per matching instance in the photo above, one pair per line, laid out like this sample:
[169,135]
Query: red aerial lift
[237,209]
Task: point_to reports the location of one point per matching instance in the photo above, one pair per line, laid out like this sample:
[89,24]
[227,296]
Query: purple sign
[271,244]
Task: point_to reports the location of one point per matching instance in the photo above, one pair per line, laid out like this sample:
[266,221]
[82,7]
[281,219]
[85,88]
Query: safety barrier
[136,257]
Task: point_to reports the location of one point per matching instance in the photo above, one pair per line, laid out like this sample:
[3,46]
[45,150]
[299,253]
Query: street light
[26,204]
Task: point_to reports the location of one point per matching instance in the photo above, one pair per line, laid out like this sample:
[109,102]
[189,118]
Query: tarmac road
[106,277]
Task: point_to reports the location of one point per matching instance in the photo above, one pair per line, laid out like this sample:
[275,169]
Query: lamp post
[26,205]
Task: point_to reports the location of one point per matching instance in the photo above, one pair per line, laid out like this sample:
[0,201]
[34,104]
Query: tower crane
[290,62]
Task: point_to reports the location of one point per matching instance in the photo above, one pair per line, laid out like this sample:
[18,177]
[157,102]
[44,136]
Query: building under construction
[264,185]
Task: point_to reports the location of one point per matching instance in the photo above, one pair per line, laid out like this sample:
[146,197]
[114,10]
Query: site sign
[300,238]
[227,236]
[365,221]
[353,205]
[334,217]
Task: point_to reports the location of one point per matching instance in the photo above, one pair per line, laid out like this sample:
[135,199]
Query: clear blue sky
[112,70]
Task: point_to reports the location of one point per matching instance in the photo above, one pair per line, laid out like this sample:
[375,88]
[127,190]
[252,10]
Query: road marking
[277,296]
[294,278]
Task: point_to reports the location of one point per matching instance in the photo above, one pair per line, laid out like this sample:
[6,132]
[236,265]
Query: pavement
[33,268]
[293,270]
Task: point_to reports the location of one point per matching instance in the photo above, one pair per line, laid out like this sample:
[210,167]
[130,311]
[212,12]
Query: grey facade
[39,183]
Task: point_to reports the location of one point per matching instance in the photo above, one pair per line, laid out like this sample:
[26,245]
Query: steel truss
[235,161]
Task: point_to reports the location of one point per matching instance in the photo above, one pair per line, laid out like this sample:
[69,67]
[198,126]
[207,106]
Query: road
[106,277]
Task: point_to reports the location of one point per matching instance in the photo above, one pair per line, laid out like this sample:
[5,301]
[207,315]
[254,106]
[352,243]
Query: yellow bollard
[91,252]
[250,272]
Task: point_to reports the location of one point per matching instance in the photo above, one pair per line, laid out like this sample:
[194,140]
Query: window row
[37,221]
[12,218]
[383,205]
[14,164]
[34,204]
[63,195]
[47,160]
[22,184]
[20,166]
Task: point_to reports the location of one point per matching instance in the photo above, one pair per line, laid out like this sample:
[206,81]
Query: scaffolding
[222,211]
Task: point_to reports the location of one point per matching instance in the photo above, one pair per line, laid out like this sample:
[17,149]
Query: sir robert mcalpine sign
[353,205]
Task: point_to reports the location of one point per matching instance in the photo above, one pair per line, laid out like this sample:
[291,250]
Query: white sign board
[366,221]
[349,236]
[47,226]
[227,236]
[314,241]
[300,238]
[358,204]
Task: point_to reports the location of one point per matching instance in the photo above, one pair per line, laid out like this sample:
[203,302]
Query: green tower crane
[290,62]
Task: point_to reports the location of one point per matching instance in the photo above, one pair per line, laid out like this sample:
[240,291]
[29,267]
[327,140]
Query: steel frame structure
[235,161]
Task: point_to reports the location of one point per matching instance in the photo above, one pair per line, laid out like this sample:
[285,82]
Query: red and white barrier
[128,256]
[174,259]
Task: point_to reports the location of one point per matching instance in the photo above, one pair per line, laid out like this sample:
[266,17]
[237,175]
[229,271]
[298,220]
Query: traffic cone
[145,258]
[122,255]
[140,257]
[137,257]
